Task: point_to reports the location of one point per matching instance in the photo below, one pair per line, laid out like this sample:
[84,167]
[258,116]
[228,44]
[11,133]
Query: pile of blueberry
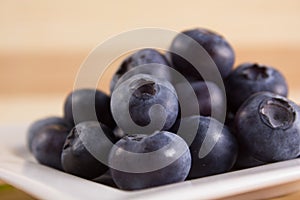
[140,136]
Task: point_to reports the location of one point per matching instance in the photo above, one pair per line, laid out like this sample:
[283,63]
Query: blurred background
[43,43]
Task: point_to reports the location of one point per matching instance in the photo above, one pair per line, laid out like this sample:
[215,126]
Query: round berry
[215,45]
[141,161]
[267,126]
[250,78]
[77,157]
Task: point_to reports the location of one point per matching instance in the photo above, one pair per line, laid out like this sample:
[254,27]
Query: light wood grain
[282,192]
[33,25]
[55,72]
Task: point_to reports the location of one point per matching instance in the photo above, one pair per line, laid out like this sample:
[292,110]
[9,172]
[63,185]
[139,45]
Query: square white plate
[19,168]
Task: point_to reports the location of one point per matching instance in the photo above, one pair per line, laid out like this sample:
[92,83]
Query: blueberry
[141,161]
[48,143]
[85,103]
[267,126]
[141,57]
[106,179]
[244,160]
[213,137]
[205,99]
[36,127]
[229,121]
[144,100]
[176,124]
[250,78]
[77,158]
[216,46]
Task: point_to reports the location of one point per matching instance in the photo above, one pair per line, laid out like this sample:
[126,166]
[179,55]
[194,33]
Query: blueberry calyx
[69,139]
[144,88]
[135,137]
[256,72]
[277,113]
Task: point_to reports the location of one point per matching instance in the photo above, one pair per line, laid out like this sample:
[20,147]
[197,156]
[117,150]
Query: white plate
[19,168]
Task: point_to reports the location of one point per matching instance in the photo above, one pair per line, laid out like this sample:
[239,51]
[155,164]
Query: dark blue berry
[88,105]
[141,57]
[147,100]
[76,156]
[36,127]
[244,160]
[250,78]
[213,148]
[141,161]
[201,90]
[106,179]
[216,46]
[267,126]
[48,143]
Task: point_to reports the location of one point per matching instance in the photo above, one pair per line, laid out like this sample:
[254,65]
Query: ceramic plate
[18,168]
